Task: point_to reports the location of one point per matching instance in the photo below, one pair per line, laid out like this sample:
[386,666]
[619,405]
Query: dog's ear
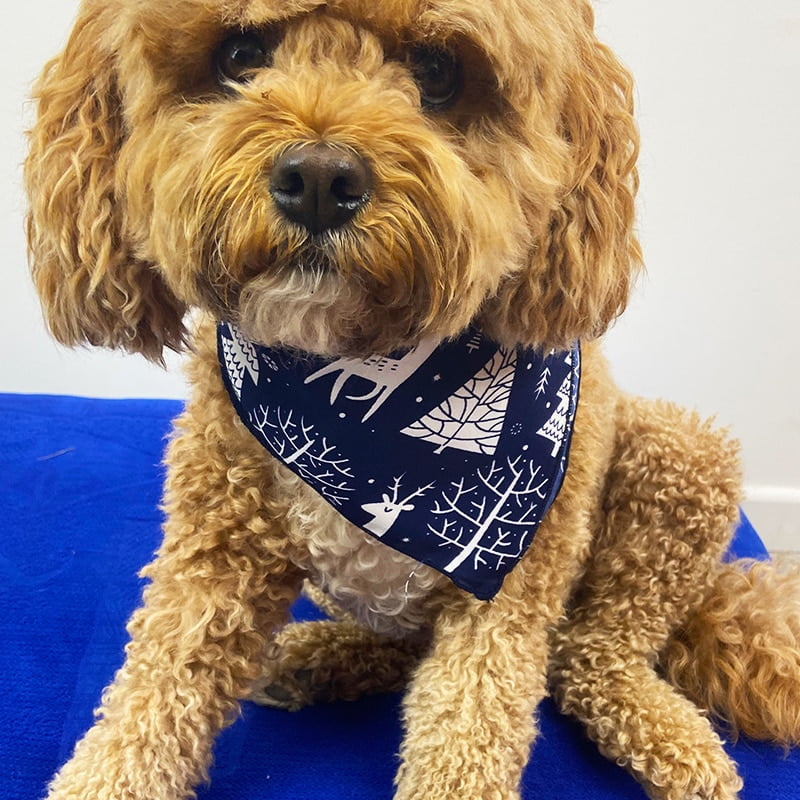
[93,289]
[582,269]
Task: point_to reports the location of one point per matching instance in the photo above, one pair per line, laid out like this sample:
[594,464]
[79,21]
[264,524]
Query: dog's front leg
[670,506]
[220,585]
[469,711]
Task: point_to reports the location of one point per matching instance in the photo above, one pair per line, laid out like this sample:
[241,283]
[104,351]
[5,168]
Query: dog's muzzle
[319,186]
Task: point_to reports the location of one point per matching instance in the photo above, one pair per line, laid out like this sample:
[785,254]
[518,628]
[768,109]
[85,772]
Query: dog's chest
[383,589]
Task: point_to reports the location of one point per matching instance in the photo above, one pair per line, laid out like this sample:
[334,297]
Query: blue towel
[79,499]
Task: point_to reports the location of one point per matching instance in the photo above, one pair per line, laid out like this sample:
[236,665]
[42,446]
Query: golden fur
[513,208]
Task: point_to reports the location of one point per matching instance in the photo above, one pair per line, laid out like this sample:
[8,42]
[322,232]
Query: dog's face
[342,176]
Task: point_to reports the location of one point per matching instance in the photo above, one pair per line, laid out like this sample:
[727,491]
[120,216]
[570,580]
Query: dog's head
[341,176]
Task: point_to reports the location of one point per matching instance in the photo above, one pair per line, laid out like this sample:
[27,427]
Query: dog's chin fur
[316,306]
[311,310]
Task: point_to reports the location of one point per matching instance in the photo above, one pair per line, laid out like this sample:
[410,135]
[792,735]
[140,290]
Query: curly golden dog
[348,177]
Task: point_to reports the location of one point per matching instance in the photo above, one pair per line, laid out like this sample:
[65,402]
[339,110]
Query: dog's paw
[320,662]
[711,778]
[288,691]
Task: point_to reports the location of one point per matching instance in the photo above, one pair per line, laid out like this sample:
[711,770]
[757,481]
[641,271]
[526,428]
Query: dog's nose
[319,186]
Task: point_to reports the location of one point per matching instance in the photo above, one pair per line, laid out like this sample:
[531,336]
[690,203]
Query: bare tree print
[491,520]
[307,452]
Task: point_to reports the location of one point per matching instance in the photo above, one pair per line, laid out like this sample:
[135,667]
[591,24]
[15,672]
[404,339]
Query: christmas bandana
[450,452]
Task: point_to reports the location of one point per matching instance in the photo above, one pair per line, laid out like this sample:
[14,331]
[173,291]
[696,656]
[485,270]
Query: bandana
[451,452]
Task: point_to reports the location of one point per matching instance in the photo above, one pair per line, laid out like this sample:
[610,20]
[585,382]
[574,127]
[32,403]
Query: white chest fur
[382,588]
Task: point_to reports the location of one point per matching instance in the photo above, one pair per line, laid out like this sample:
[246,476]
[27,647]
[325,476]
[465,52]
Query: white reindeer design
[386,513]
[385,372]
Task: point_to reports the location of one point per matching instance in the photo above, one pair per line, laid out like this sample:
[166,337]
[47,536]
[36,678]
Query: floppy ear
[92,287]
[581,271]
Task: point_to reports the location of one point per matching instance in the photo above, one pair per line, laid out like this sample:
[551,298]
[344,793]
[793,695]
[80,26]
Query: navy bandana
[451,452]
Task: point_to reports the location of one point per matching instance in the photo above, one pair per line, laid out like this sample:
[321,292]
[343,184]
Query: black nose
[320,187]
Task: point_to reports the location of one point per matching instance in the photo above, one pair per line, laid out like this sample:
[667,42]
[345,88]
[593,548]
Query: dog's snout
[319,186]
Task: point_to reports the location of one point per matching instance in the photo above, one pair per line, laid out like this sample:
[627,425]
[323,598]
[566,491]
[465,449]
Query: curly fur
[737,654]
[513,209]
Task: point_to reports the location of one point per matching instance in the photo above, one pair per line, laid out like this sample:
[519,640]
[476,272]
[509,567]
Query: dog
[338,191]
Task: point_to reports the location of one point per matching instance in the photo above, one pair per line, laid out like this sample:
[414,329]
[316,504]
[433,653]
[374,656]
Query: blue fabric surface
[79,499]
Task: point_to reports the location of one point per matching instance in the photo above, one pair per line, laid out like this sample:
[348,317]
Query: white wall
[31,362]
[712,324]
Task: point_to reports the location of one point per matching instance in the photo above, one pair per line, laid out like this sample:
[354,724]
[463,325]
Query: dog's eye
[240,55]
[438,75]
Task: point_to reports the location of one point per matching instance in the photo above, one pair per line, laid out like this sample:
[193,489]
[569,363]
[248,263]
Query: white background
[711,326]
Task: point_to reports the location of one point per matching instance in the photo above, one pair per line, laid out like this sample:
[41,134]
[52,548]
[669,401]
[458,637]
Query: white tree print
[240,357]
[388,511]
[544,379]
[308,452]
[491,520]
[555,427]
[475,342]
[472,419]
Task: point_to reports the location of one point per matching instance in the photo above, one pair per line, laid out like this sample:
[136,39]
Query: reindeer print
[385,372]
[386,513]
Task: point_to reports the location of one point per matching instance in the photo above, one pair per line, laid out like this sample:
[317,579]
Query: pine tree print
[240,357]
[544,379]
[472,419]
[555,427]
